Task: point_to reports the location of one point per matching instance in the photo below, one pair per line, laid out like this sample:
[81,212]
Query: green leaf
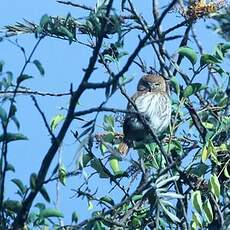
[165,181]
[1,65]
[107,199]
[74,218]
[207,59]
[20,185]
[175,85]
[3,115]
[193,225]
[108,137]
[22,78]
[39,66]
[40,206]
[56,120]
[13,137]
[189,53]
[45,194]
[204,153]
[196,201]
[16,122]
[95,163]
[90,205]
[196,218]
[62,173]
[137,197]
[109,123]
[103,148]
[208,125]
[50,212]
[12,205]
[173,217]
[13,110]
[218,52]
[33,178]
[208,213]
[10,167]
[226,173]
[200,170]
[64,31]
[193,88]
[86,159]
[171,195]
[225,47]
[215,186]
[115,165]
[45,19]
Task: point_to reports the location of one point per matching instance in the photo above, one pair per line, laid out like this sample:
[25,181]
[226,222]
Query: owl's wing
[133,98]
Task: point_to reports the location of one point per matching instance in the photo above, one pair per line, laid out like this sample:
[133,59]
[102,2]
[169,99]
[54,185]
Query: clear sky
[63,65]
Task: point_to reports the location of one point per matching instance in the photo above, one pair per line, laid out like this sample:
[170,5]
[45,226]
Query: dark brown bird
[153,102]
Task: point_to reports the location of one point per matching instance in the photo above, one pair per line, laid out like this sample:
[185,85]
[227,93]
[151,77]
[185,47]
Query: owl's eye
[146,84]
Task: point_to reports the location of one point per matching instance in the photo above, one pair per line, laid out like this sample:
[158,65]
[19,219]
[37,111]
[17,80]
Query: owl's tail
[123,148]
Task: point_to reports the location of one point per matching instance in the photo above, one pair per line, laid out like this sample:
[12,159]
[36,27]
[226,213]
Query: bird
[153,103]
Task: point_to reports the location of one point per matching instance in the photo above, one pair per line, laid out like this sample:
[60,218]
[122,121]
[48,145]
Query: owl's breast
[156,107]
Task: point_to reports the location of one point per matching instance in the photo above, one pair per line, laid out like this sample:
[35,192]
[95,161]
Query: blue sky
[63,65]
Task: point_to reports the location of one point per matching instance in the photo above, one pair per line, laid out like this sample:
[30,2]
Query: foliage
[180,180]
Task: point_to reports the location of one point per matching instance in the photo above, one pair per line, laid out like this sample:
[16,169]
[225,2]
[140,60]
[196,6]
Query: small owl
[153,102]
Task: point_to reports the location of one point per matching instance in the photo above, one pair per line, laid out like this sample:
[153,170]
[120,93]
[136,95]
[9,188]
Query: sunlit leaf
[44,20]
[165,181]
[175,85]
[193,88]
[208,213]
[107,199]
[103,148]
[62,174]
[173,217]
[196,218]
[172,195]
[215,185]
[207,59]
[56,120]
[204,153]
[226,172]
[50,212]
[115,165]
[189,53]
[137,197]
[196,201]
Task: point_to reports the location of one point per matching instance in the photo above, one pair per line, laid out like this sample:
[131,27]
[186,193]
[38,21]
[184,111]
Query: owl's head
[152,82]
